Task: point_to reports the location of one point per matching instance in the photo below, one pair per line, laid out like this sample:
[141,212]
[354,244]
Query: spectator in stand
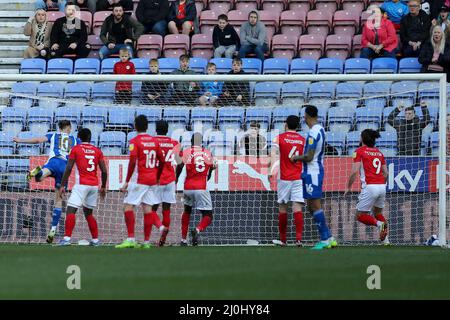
[235,93]
[38,29]
[409,130]
[435,53]
[108,5]
[210,90]
[253,37]
[395,10]
[378,36]
[253,143]
[124,88]
[51,5]
[443,19]
[414,29]
[185,92]
[119,31]
[69,35]
[152,14]
[182,15]
[435,7]
[225,38]
[152,93]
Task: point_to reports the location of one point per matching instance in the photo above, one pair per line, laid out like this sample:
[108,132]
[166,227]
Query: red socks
[185,217]
[70,224]
[130,222]
[298,218]
[155,219]
[148,223]
[282,225]
[367,219]
[93,228]
[206,221]
[166,218]
[380,217]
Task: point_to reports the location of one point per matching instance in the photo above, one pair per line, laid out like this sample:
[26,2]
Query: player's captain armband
[131,147]
[311,141]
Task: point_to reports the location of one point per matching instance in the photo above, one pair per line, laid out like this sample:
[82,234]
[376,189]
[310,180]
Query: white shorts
[290,191]
[140,193]
[167,193]
[201,199]
[372,195]
[83,196]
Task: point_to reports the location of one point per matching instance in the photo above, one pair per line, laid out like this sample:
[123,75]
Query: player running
[87,159]
[199,166]
[289,182]
[141,183]
[370,162]
[60,145]
[166,190]
[312,176]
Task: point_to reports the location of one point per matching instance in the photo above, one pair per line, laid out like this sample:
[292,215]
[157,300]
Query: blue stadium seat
[60,66]
[203,119]
[387,143]
[51,90]
[404,93]
[357,65]
[368,118]
[276,66]
[261,115]
[178,118]
[153,114]
[72,114]
[384,65]
[7,146]
[330,65]
[379,91]
[198,65]
[340,119]
[294,93]
[103,91]
[409,65]
[321,93]
[303,66]
[87,66]
[40,120]
[434,143]
[280,114]
[348,94]
[121,118]
[252,65]
[13,119]
[141,65]
[112,143]
[230,118]
[167,65]
[223,65]
[79,91]
[28,149]
[17,169]
[353,138]
[336,140]
[221,143]
[267,93]
[130,135]
[429,93]
[108,65]
[425,145]
[94,137]
[36,65]
[94,118]
[25,89]
[386,112]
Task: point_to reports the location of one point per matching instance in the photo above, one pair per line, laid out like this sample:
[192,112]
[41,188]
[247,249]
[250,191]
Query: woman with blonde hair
[38,28]
[435,53]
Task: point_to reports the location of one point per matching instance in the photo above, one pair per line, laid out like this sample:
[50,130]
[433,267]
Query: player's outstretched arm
[104,178]
[30,140]
[351,179]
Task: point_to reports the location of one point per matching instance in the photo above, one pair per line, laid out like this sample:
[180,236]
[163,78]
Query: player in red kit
[87,158]
[166,190]
[290,188]
[141,183]
[199,164]
[370,162]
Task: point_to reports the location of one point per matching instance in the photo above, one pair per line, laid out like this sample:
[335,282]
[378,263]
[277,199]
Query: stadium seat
[321,93]
[98,19]
[356,5]
[386,112]
[60,66]
[303,66]
[51,90]
[404,93]
[338,46]
[112,143]
[294,93]
[72,114]
[348,94]
[17,169]
[120,118]
[87,66]
[252,65]
[96,43]
[270,19]
[246,5]
[279,116]
[185,138]
[276,6]
[230,118]
[284,46]
[86,16]
[80,91]
[336,139]
[36,65]
[198,64]
[384,65]
[130,135]
[276,66]
[178,118]
[221,143]
[103,91]
[311,46]
[330,65]
[387,143]
[94,137]
[267,93]
[356,49]
[319,22]
[261,115]
[28,149]
[357,65]
[409,65]
[108,65]
[376,94]
[300,5]
[141,65]
[434,143]
[292,22]
[52,16]
[220,6]
[223,65]
[340,119]
[202,46]
[346,22]
[176,45]
[203,119]
[153,114]
[40,120]
[167,65]
[94,118]
[19,92]
[208,20]
[149,46]
[7,146]
[429,93]
[353,139]
[368,118]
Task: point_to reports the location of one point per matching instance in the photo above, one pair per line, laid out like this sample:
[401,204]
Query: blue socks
[55,217]
[319,219]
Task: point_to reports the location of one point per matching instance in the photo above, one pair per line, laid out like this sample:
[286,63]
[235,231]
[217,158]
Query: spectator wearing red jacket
[124,88]
[378,37]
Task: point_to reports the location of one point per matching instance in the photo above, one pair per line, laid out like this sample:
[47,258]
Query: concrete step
[9,70]
[9,27]
[15,16]
[17,5]
[10,62]
[5,85]
[12,51]
[14,38]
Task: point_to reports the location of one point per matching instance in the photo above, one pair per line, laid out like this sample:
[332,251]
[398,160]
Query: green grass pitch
[39,272]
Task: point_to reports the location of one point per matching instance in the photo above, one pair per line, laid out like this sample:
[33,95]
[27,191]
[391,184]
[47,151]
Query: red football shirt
[145,151]
[181,14]
[124,68]
[87,158]
[372,159]
[168,148]
[289,144]
[198,161]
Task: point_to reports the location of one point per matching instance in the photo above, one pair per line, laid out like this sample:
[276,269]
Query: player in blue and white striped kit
[312,176]
[60,145]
